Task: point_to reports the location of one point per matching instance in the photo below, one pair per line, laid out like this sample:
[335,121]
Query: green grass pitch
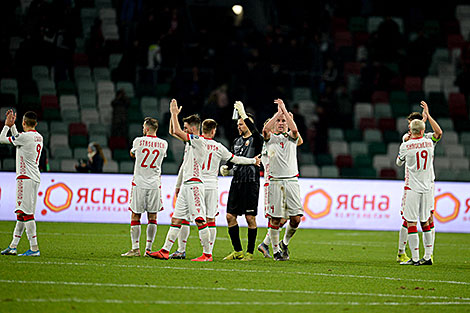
[81,270]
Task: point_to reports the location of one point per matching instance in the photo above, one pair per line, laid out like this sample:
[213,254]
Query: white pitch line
[331,293]
[225,303]
[246,271]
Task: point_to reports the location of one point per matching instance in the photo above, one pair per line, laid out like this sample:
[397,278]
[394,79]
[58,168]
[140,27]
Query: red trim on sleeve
[9,138]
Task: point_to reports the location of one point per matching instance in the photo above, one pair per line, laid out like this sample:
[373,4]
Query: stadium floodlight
[237,9]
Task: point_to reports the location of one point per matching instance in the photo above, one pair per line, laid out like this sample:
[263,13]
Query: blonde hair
[416,126]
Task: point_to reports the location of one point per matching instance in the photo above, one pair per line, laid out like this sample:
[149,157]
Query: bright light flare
[237,9]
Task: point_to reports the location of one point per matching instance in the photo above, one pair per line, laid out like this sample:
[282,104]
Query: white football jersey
[28,151]
[282,153]
[217,153]
[265,160]
[427,136]
[195,153]
[149,152]
[418,155]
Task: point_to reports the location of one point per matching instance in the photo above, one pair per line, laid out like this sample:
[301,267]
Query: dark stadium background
[350,71]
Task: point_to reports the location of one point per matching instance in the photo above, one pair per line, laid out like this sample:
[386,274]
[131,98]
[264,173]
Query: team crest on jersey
[247,143]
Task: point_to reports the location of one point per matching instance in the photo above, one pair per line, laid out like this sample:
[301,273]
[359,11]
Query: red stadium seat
[80,59]
[344,160]
[352,68]
[343,39]
[388,173]
[413,84]
[338,24]
[455,41]
[117,142]
[50,102]
[387,124]
[360,38]
[77,129]
[457,106]
[379,97]
[367,122]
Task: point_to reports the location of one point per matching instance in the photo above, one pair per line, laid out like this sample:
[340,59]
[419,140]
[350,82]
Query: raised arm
[294,132]
[178,132]
[435,127]
[269,125]
[9,123]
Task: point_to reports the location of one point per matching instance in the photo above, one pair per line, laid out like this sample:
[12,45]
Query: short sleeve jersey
[28,151]
[149,152]
[282,152]
[265,160]
[418,154]
[216,153]
[195,153]
[427,136]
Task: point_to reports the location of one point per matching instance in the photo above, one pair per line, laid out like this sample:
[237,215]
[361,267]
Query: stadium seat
[78,129]
[128,88]
[382,110]
[66,87]
[329,171]
[377,148]
[357,24]
[388,173]
[111,166]
[367,123]
[373,23]
[459,163]
[305,158]
[114,60]
[117,142]
[8,164]
[387,124]
[344,160]
[432,84]
[359,148]
[455,150]
[353,135]
[80,153]
[465,138]
[89,116]
[391,136]
[372,135]
[343,39]
[413,84]
[98,129]
[102,140]
[324,159]
[309,171]
[87,101]
[121,155]
[68,101]
[82,73]
[61,152]
[362,161]
[381,161]
[437,104]
[442,163]
[170,167]
[457,106]
[450,137]
[379,96]
[455,41]
[338,147]
[70,116]
[335,134]
[101,73]
[40,72]
[68,165]
[105,88]
[46,87]
[58,127]
[126,167]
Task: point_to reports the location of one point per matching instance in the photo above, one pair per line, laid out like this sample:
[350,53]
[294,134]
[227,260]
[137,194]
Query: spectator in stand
[120,105]
[95,162]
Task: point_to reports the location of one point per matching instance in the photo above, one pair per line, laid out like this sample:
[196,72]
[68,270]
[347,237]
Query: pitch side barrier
[328,203]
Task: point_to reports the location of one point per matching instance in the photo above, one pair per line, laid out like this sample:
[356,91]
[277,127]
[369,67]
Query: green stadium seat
[78,141]
[121,155]
[377,148]
[324,159]
[362,161]
[66,87]
[352,135]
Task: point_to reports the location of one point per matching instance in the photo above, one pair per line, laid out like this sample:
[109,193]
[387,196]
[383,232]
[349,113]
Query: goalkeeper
[244,189]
